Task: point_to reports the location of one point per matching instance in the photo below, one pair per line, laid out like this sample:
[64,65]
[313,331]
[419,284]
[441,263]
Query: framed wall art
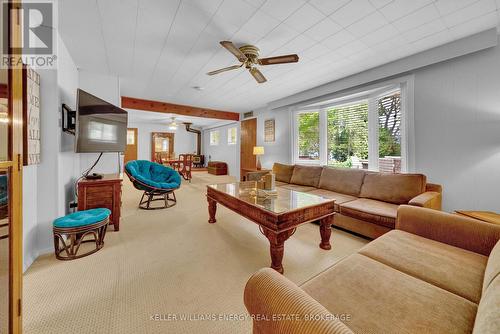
[31,117]
[269,130]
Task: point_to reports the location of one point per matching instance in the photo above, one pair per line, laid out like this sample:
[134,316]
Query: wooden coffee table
[277,217]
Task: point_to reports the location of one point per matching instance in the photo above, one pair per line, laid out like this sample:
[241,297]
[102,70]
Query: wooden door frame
[136,137]
[14,164]
[242,143]
[169,135]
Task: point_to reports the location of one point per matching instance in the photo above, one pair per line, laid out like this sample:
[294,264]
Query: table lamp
[258,150]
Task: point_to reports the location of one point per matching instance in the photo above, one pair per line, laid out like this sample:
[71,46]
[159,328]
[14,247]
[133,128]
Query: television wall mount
[68,119]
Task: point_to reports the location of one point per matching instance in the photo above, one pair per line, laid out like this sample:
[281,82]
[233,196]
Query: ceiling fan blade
[257,75]
[234,50]
[279,60]
[224,69]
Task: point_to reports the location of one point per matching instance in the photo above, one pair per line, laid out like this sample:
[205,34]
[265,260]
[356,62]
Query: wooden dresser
[103,193]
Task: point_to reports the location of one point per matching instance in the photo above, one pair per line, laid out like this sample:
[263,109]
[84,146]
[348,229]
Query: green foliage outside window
[308,136]
[389,112]
[347,132]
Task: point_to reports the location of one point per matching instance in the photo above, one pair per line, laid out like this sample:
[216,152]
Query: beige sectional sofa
[435,273]
[365,202]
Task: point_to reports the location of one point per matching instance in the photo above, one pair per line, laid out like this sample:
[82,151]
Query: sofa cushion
[339,198]
[297,187]
[283,172]
[450,268]
[493,267]
[392,188]
[377,212]
[487,318]
[279,183]
[381,299]
[342,180]
[306,175]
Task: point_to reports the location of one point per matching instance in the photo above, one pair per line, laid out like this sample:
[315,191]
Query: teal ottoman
[71,231]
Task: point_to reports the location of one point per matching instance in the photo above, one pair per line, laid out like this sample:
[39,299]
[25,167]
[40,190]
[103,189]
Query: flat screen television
[100,126]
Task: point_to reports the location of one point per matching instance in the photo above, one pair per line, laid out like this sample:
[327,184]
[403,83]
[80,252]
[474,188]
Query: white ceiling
[139,116]
[162,48]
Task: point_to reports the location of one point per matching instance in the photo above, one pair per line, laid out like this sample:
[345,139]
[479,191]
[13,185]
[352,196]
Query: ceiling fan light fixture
[172,125]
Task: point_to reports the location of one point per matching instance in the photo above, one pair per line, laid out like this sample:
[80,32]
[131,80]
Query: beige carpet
[171,263]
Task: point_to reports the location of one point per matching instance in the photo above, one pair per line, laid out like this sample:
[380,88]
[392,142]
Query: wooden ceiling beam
[170,108]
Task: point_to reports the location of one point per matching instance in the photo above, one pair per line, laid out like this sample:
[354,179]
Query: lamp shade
[258,150]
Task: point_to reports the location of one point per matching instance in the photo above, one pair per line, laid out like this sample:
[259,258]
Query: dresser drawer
[101,191]
[97,202]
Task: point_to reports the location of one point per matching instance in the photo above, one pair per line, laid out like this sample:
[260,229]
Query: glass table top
[286,200]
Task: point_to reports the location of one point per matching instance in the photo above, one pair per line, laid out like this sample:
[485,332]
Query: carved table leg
[277,247]
[325,228]
[212,208]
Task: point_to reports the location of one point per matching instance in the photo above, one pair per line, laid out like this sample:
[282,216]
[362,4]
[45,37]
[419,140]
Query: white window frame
[213,143]
[404,84]
[235,135]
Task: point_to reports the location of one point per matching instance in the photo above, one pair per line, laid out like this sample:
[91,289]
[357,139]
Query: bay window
[365,131]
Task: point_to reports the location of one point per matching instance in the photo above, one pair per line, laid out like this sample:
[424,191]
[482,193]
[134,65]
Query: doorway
[131,149]
[162,146]
[248,141]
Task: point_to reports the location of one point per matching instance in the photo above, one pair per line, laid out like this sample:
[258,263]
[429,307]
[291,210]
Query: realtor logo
[36,46]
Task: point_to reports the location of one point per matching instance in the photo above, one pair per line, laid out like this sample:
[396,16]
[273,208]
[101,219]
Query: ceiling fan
[248,55]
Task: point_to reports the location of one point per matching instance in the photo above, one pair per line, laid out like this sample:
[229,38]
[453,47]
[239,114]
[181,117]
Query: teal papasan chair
[157,181]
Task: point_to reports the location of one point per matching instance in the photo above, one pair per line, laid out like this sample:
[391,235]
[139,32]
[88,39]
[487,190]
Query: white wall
[457,129]
[184,142]
[223,152]
[69,161]
[30,215]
